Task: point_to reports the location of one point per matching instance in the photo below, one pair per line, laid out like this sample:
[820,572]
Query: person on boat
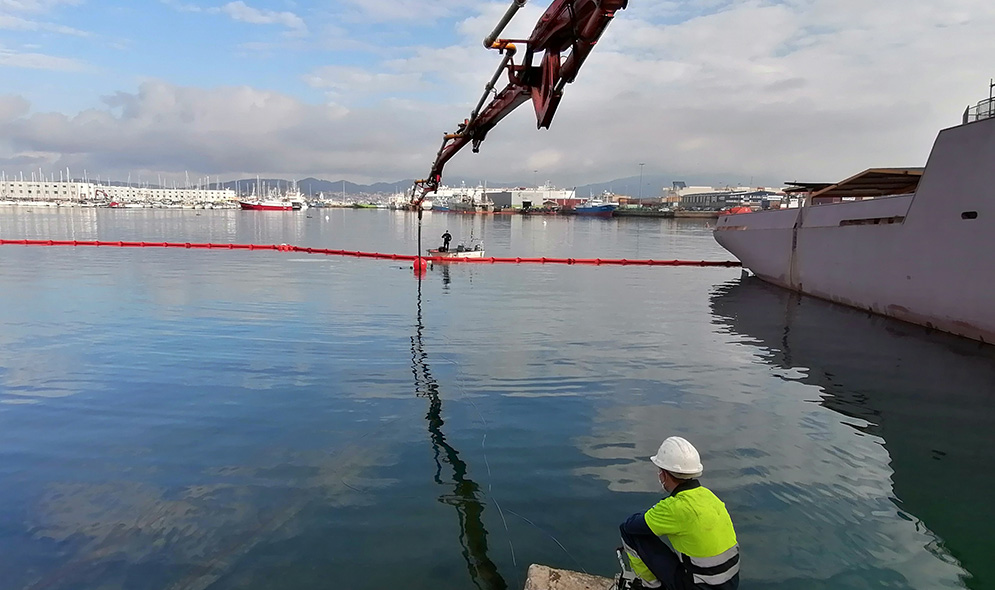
[703,553]
[446,238]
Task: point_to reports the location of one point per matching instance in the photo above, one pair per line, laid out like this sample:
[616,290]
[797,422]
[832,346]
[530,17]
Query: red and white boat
[269,205]
[272,199]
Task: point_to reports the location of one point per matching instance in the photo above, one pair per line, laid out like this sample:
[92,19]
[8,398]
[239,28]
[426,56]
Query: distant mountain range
[652,185]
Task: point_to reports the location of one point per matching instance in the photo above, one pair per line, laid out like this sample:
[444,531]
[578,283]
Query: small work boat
[461,251]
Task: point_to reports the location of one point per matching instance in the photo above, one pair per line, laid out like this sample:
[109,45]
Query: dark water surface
[174,419]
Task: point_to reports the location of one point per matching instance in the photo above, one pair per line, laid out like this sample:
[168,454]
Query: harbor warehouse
[527,198]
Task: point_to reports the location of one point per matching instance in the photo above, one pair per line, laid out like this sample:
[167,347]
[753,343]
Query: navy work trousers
[661,560]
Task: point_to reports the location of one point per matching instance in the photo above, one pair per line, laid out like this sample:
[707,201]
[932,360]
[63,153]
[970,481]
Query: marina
[284,195]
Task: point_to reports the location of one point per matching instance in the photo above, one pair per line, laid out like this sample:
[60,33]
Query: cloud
[401,10]
[802,89]
[810,88]
[13,107]
[228,131]
[240,11]
[182,6]
[40,61]
[14,23]
[35,5]
[474,28]
[545,159]
[352,81]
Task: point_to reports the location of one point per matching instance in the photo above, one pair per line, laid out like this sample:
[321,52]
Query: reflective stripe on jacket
[715,570]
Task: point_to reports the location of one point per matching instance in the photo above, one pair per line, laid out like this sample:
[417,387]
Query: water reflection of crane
[465,493]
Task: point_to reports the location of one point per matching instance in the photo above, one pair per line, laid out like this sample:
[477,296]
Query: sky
[740,92]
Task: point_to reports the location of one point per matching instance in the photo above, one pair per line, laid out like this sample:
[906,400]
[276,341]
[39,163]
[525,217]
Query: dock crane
[561,42]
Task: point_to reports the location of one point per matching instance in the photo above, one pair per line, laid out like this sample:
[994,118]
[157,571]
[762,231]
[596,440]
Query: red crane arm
[574,25]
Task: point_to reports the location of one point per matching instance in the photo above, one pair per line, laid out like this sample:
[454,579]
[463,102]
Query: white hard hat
[679,457]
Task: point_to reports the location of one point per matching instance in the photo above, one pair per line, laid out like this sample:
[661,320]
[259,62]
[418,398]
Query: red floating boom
[419,260]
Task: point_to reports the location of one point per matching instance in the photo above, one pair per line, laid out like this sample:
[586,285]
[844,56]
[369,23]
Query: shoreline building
[532,198]
[706,198]
[31,190]
[136,194]
[75,192]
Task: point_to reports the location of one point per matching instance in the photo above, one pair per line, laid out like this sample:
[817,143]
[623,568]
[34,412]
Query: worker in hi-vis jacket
[703,553]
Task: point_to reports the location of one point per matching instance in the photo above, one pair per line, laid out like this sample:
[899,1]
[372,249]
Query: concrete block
[543,577]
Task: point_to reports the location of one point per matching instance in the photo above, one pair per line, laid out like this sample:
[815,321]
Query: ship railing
[983,110]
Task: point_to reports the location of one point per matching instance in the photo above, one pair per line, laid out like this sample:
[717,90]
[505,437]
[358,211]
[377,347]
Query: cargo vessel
[915,244]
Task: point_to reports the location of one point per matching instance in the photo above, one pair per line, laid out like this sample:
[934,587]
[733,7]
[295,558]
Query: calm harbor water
[174,419]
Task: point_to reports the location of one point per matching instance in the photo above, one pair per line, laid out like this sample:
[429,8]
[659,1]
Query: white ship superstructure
[462,198]
[919,249]
[460,193]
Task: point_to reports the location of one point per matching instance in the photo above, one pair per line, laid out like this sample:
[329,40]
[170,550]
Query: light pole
[535,178]
[641,164]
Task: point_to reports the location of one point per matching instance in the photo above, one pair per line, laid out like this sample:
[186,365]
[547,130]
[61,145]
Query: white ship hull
[926,258]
